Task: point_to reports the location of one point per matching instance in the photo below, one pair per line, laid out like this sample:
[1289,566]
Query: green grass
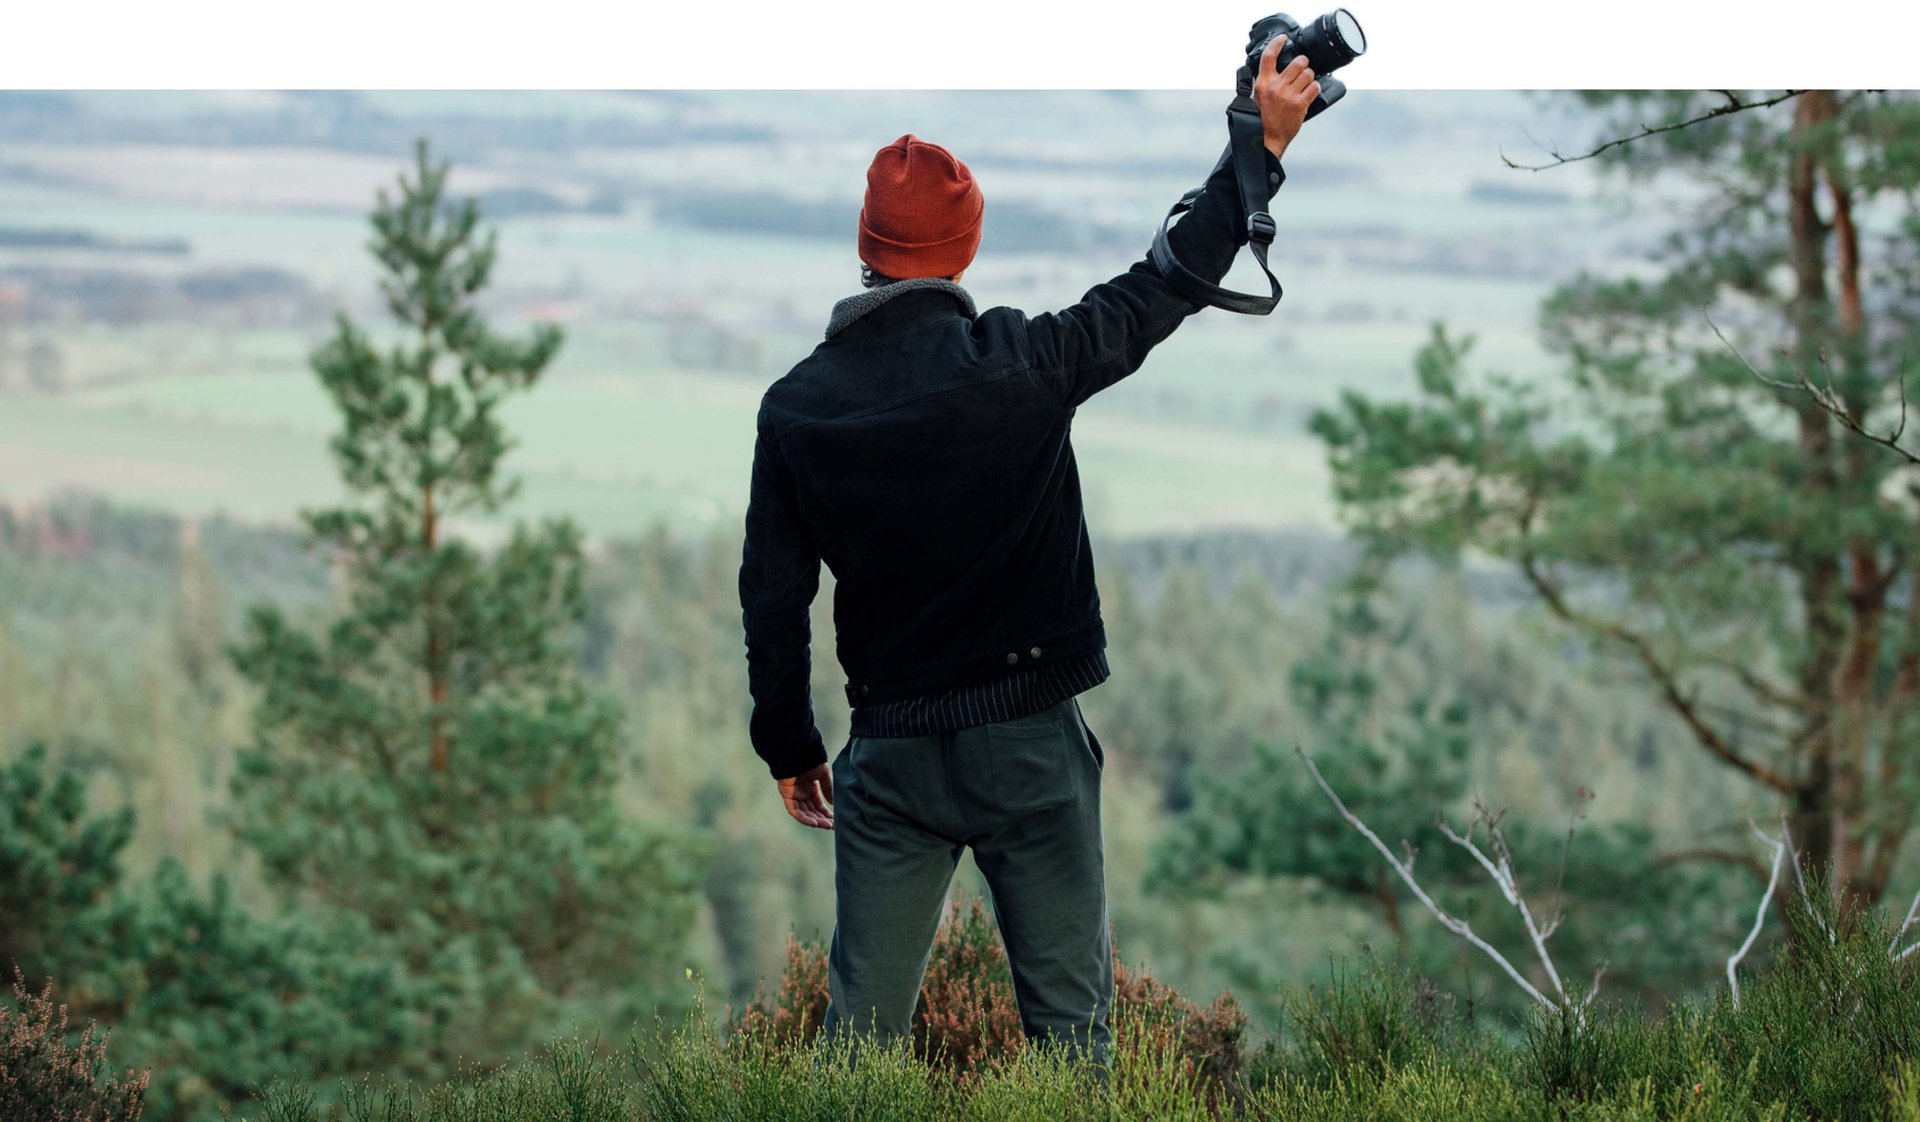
[1830,1031]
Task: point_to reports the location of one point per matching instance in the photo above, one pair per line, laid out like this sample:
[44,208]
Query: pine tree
[1675,495]
[431,760]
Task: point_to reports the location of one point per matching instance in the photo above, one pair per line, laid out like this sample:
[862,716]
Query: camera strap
[1246,141]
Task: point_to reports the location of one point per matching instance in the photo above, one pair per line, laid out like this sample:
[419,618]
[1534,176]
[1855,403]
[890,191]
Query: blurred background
[171,262]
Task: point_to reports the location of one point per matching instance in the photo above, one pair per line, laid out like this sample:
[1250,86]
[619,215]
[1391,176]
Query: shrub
[1366,1021]
[211,998]
[967,1021]
[57,862]
[1203,1045]
[45,1079]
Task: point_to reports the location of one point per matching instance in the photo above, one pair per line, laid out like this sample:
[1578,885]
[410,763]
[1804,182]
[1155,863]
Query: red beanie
[922,212]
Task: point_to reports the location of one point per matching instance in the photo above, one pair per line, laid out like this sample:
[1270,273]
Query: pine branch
[1734,105]
[1663,675]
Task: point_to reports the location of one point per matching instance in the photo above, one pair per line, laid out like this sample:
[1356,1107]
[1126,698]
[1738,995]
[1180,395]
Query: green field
[206,416]
[614,452]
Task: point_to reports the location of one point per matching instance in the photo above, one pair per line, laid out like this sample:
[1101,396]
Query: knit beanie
[921,217]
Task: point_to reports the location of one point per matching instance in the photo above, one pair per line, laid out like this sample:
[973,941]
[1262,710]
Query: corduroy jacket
[922,452]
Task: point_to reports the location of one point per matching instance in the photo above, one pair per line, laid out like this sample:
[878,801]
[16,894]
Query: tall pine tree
[1674,497]
[431,759]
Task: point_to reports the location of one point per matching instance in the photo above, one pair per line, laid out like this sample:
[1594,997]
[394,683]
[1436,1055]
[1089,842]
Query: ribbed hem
[1003,699]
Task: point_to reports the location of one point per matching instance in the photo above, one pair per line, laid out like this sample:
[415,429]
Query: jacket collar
[860,303]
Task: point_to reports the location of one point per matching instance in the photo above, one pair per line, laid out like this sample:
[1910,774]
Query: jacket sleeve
[1087,347]
[779,575]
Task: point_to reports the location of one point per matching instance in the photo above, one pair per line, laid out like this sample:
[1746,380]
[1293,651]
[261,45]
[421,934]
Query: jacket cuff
[1276,175]
[800,758]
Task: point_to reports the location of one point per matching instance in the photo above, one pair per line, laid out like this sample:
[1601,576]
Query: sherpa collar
[860,303]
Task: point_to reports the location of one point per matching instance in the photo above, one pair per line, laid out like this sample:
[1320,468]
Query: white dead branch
[1760,913]
[1905,925]
[1500,868]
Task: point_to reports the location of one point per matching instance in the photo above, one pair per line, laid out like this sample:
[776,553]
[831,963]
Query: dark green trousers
[1025,795]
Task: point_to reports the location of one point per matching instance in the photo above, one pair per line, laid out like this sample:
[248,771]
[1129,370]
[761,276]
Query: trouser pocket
[1093,742]
[1030,764]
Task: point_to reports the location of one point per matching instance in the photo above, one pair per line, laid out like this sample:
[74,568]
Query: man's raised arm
[1082,349]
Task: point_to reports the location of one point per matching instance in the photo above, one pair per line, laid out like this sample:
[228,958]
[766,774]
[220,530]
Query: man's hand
[809,796]
[1283,96]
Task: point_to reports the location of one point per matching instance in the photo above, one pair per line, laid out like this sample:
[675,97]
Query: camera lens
[1347,30]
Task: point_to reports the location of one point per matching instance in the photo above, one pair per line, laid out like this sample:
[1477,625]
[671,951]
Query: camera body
[1328,41]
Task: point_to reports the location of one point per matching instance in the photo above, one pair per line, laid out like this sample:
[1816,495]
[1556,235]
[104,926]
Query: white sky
[912,44]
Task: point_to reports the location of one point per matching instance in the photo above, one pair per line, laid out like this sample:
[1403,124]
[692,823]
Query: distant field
[615,452]
[1211,432]
[1382,221]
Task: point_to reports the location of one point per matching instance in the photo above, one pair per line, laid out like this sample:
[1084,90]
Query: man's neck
[860,303]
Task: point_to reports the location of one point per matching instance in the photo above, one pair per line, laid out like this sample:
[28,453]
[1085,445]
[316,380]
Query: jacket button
[865,690]
[1034,653]
[1013,657]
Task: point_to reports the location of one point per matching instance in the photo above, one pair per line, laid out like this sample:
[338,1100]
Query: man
[922,452]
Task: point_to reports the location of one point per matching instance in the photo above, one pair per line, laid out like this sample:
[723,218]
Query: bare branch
[1459,927]
[1734,105]
[1830,402]
[1594,991]
[1800,876]
[1905,924]
[1759,914]
[1501,870]
[1581,797]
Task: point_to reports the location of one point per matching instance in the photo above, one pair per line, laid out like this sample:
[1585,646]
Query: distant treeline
[341,119]
[98,294]
[19,237]
[524,202]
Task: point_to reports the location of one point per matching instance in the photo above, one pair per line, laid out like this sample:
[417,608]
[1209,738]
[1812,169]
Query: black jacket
[922,452]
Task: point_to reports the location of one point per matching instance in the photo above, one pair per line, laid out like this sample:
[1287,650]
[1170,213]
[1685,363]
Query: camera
[1329,41]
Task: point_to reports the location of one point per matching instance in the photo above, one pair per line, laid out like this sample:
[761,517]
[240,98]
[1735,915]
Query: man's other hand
[809,796]
[1283,96]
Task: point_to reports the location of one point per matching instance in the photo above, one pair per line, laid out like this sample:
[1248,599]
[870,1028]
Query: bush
[967,1021]
[1820,1033]
[57,861]
[45,1079]
[213,999]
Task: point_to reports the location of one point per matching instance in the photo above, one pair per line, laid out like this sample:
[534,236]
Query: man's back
[921,452]
[932,464]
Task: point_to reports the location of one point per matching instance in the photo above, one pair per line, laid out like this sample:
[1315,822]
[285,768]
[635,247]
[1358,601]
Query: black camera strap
[1246,142]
